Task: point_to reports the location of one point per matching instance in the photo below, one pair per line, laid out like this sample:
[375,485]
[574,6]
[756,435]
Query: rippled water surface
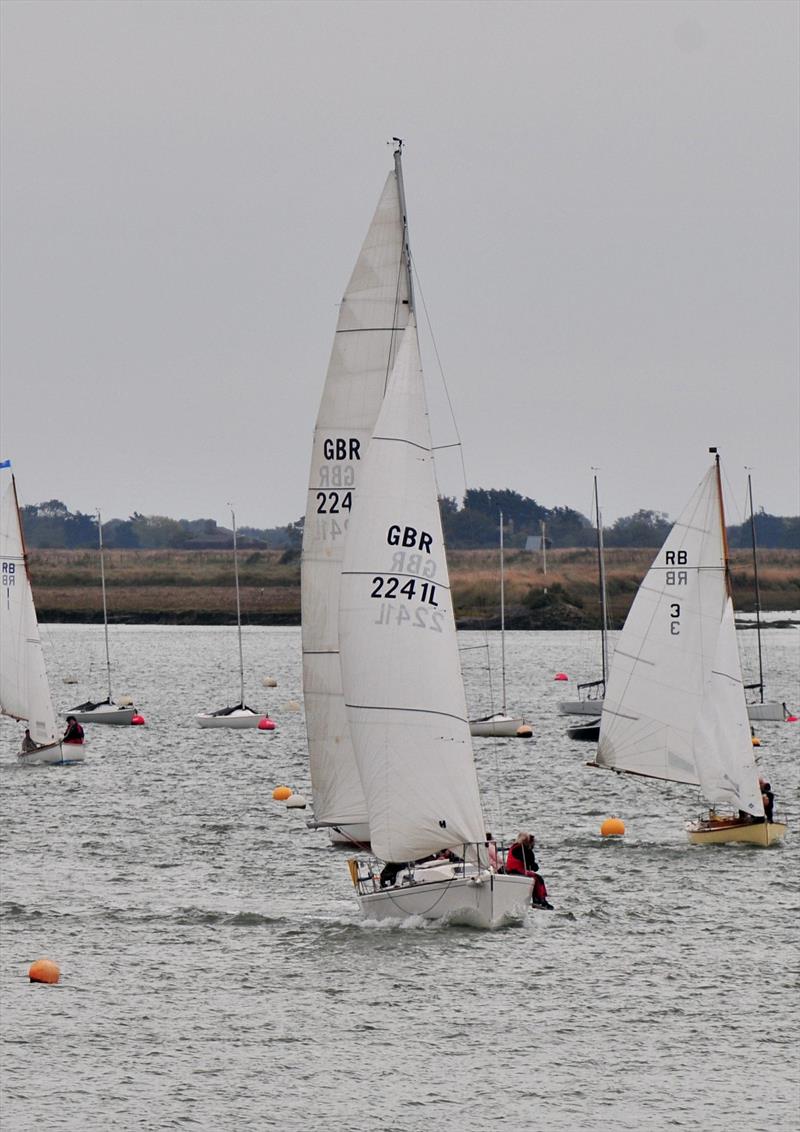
[216,973]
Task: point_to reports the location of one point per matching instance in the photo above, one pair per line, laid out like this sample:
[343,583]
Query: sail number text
[675,618]
[676,558]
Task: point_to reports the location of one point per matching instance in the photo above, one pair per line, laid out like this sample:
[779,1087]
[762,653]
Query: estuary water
[216,973]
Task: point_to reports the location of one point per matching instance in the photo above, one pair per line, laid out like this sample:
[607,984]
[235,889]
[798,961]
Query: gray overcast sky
[603,200]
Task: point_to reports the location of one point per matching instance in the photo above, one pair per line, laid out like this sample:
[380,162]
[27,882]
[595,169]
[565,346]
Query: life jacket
[75,733]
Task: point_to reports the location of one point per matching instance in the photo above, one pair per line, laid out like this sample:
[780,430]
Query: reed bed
[180,585]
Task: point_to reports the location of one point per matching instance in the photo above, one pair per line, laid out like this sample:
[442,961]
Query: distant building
[534,542]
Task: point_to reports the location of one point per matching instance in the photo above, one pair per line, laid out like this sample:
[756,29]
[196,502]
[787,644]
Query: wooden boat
[675,704]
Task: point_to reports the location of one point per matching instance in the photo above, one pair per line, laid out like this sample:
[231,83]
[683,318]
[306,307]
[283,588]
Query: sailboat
[403,689]
[24,689]
[501,725]
[590,694]
[675,704]
[104,711]
[763,710]
[240,715]
[372,315]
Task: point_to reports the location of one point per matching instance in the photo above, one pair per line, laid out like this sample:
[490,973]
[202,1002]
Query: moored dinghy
[104,711]
[675,705]
[240,715]
[402,685]
[24,689]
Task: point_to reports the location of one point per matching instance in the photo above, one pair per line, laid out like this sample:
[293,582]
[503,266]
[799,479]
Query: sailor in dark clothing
[521,859]
[74,732]
[767,797]
[389,873]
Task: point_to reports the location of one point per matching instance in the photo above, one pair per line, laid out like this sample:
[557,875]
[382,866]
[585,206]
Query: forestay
[24,691]
[373,312]
[399,656]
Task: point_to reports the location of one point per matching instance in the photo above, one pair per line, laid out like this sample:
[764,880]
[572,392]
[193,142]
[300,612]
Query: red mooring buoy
[137,720]
[266,724]
[561,676]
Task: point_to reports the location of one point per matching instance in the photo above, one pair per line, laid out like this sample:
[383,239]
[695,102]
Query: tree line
[472,524]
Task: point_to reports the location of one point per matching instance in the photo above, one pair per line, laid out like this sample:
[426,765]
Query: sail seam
[369,329]
[395,707]
[394,574]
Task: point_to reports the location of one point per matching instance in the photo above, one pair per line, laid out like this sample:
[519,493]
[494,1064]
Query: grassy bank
[196,587]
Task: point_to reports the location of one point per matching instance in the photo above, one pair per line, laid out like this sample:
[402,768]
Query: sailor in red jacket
[74,732]
[522,860]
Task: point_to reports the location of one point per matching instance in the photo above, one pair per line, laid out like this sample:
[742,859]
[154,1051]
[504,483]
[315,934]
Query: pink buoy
[137,720]
[561,676]
[266,724]
[791,719]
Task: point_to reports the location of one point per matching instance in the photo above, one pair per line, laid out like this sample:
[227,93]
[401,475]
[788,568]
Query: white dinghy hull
[54,754]
[496,726]
[766,713]
[237,719]
[105,713]
[486,900]
[580,707]
[356,835]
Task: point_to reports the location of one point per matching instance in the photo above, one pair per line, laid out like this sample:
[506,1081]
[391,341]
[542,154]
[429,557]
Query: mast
[502,615]
[105,608]
[601,573]
[238,610]
[725,551]
[758,590]
[401,192]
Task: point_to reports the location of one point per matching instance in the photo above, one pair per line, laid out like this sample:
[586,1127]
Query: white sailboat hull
[355,836]
[487,900]
[497,726]
[580,707]
[105,713]
[237,719]
[766,713]
[54,754]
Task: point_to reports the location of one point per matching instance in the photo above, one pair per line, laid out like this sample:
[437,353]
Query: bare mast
[105,607]
[601,573]
[757,588]
[238,610]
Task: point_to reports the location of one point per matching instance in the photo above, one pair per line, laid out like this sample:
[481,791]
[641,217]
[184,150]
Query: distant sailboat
[590,694]
[373,314]
[675,705]
[239,715]
[501,725]
[24,689]
[763,710]
[104,711]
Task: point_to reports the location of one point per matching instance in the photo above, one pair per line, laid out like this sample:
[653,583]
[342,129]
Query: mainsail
[674,706]
[399,655]
[373,313]
[24,691]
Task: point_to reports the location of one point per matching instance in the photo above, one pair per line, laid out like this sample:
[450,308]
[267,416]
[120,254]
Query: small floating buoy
[270,682]
[281,793]
[525,731]
[561,676]
[296,802]
[791,719]
[612,827]
[266,724]
[44,971]
[756,741]
[137,720]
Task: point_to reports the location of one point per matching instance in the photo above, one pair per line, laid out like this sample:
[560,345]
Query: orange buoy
[137,720]
[525,731]
[44,971]
[612,827]
[281,793]
[561,676]
[266,724]
[756,741]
